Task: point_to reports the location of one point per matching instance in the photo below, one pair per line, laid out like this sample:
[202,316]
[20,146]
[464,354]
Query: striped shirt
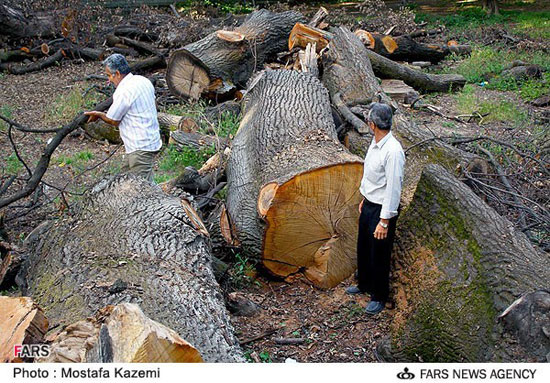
[383,174]
[134,106]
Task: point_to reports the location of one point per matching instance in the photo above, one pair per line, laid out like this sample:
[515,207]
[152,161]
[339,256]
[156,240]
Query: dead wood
[157,255]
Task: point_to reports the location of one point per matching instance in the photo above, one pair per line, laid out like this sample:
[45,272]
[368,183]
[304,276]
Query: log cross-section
[293,189]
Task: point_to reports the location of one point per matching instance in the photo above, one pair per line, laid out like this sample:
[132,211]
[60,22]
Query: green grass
[535,25]
[225,6]
[78,161]
[6,111]
[498,111]
[13,165]
[66,107]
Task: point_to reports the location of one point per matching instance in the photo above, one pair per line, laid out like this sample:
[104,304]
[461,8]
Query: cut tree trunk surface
[293,189]
[120,334]
[22,322]
[225,60]
[130,242]
[459,265]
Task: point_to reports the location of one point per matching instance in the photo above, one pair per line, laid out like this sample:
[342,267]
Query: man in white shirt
[134,112]
[381,189]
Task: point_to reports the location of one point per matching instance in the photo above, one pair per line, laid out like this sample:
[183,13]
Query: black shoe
[352,290]
[374,307]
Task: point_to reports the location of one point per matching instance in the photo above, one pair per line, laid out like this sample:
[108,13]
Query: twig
[258,337]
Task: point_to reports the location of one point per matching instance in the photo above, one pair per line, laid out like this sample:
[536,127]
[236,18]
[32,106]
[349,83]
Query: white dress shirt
[134,106]
[383,174]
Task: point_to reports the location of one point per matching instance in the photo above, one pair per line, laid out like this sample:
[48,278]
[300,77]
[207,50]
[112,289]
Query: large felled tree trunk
[130,242]
[459,266]
[224,60]
[293,189]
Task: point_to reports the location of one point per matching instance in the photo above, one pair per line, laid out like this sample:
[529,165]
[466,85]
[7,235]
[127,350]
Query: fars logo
[28,351]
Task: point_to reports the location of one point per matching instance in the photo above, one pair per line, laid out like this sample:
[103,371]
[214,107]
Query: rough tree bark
[459,265]
[130,242]
[224,60]
[292,187]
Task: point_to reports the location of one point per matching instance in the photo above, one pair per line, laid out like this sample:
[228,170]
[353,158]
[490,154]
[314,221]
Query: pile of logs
[292,198]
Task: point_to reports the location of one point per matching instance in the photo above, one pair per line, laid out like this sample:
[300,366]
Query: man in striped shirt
[134,112]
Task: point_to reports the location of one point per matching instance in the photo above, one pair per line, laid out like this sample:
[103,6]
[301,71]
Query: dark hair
[381,115]
[117,62]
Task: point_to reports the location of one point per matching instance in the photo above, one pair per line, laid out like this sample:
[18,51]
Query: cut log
[301,35]
[404,48]
[170,121]
[399,91]
[23,322]
[220,65]
[349,77]
[156,255]
[459,265]
[120,334]
[197,141]
[386,68]
[292,187]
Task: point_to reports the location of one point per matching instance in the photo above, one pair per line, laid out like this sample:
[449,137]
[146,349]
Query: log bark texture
[130,242]
[120,334]
[225,60]
[292,187]
[386,68]
[459,265]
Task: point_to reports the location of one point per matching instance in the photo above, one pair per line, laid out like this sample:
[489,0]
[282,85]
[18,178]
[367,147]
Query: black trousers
[373,255]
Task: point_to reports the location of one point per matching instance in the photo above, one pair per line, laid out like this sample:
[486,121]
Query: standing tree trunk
[293,189]
[225,60]
[130,242]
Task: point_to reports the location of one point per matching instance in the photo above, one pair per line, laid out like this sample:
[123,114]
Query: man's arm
[94,115]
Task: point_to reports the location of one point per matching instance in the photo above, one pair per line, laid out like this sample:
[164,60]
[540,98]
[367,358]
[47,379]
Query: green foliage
[78,160]
[175,159]
[65,107]
[466,18]
[13,165]
[241,272]
[225,6]
[6,111]
[265,357]
[535,25]
[468,103]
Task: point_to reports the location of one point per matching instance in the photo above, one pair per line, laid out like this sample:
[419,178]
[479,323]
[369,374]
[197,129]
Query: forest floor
[332,325]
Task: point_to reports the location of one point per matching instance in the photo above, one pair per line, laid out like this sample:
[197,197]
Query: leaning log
[405,48]
[22,322]
[224,60]
[386,68]
[130,242]
[120,334]
[458,266]
[293,189]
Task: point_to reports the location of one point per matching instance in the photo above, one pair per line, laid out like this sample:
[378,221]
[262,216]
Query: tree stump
[293,189]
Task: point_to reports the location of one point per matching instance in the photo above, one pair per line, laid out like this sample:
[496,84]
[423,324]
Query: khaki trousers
[139,162]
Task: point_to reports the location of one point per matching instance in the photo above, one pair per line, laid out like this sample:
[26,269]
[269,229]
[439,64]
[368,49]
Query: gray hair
[381,115]
[117,62]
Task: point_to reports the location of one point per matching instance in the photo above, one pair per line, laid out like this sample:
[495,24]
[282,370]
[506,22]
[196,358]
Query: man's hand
[361,205]
[380,232]
[93,115]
